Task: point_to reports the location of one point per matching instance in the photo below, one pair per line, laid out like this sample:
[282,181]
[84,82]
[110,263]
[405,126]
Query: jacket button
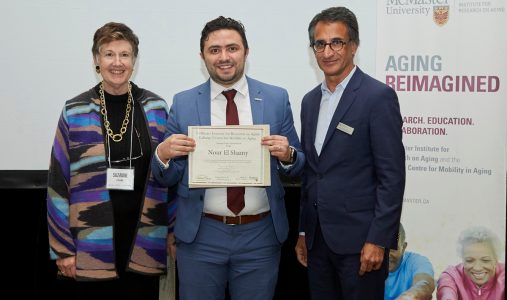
[314,204]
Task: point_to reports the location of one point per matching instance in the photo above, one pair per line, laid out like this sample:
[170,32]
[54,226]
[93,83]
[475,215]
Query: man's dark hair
[223,23]
[336,14]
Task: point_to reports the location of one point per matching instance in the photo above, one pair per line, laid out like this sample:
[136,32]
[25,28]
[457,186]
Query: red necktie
[235,195]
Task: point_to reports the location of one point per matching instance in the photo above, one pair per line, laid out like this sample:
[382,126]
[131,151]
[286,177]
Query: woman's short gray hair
[478,234]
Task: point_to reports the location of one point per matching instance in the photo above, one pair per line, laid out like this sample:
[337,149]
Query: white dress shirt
[215,199]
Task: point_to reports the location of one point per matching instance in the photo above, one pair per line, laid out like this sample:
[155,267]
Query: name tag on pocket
[345,128]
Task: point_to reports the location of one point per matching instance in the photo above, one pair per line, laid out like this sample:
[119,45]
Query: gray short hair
[478,234]
[401,234]
[332,15]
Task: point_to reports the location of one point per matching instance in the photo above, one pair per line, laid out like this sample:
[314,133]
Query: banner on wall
[446,60]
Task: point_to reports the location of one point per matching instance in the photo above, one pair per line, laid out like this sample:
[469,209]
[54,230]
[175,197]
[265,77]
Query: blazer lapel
[256,102]
[348,97]
[313,117]
[203,103]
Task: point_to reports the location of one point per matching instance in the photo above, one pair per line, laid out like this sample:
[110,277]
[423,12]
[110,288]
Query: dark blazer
[356,185]
[270,105]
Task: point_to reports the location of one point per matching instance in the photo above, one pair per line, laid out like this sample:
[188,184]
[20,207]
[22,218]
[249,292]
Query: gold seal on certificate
[228,156]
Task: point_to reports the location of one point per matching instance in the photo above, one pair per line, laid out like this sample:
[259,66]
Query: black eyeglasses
[335,45]
[134,157]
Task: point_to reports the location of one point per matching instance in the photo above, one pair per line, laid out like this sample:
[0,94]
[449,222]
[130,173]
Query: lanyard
[131,139]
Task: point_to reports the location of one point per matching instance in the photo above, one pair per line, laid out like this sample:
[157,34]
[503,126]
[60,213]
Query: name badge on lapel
[120,179]
[345,128]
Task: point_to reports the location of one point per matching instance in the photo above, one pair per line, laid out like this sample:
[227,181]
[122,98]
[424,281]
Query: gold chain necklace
[116,137]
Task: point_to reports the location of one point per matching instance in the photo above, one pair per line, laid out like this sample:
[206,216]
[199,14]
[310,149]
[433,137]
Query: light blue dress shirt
[328,105]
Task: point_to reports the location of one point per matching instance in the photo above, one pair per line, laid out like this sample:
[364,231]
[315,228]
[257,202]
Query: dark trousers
[243,258]
[334,276]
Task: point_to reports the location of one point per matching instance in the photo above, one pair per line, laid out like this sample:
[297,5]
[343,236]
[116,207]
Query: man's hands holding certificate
[181,145]
[278,146]
[174,146]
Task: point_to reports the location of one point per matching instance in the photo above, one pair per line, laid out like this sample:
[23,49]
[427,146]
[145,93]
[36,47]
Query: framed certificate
[228,156]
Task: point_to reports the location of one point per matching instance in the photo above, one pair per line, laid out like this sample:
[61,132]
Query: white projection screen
[46,58]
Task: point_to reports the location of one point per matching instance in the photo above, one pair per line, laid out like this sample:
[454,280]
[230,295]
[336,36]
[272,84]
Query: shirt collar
[325,89]
[241,86]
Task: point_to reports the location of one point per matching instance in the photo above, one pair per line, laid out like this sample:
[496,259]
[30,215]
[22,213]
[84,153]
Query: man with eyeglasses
[354,176]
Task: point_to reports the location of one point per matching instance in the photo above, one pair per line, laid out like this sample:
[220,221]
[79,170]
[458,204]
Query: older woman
[480,275]
[108,219]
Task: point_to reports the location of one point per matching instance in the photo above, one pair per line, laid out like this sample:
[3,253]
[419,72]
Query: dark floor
[34,270]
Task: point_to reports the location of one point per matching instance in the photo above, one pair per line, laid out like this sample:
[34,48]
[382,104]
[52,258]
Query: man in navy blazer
[216,247]
[354,176]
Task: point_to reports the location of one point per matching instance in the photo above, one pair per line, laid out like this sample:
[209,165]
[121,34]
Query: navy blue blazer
[356,185]
[270,105]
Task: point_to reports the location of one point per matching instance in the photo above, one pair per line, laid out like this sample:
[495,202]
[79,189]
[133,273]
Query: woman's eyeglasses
[140,154]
